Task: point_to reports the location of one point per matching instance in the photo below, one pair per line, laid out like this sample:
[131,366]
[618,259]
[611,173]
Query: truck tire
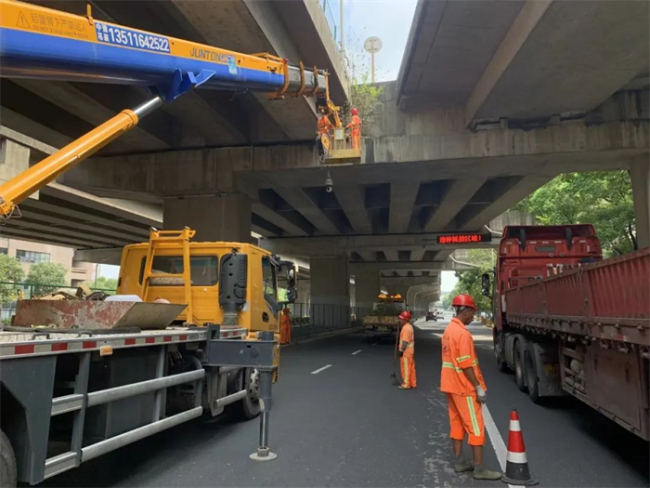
[520,375]
[249,407]
[530,371]
[498,342]
[8,471]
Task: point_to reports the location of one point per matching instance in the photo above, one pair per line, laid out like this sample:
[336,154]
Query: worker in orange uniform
[407,352]
[462,381]
[355,129]
[285,327]
[324,126]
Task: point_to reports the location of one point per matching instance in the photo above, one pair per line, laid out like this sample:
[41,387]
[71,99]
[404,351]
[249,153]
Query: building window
[32,257]
[4,250]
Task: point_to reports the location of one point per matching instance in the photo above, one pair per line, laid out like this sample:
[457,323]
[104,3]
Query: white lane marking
[321,369]
[356,352]
[495,438]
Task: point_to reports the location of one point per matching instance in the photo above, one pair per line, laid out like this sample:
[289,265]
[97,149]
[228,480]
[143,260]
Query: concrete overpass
[443,167]
[57,112]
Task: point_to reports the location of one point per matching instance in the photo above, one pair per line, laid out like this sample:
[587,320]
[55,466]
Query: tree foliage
[47,276]
[469,282]
[102,283]
[365,97]
[10,272]
[601,198]
[363,94]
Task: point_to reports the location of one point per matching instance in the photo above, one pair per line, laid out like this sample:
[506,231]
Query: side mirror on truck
[485,284]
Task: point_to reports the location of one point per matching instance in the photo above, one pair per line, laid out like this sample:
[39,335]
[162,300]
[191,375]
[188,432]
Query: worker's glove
[481,396]
[400,353]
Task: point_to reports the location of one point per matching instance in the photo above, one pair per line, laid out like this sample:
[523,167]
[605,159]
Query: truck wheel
[8,473]
[530,369]
[498,342]
[520,377]
[249,407]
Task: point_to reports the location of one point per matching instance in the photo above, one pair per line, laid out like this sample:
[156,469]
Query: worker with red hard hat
[407,352]
[355,128]
[462,381]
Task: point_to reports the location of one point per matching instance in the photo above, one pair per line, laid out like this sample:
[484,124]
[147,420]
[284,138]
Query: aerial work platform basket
[338,148]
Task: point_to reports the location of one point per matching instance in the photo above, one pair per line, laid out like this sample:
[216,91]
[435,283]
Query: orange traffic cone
[516,463]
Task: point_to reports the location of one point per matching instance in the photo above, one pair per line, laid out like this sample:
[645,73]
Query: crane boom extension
[42,43]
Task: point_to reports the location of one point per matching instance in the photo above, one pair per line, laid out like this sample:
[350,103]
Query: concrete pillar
[330,291]
[367,287]
[640,174]
[215,218]
[304,292]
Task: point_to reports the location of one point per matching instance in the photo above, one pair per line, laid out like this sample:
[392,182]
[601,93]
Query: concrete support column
[330,291]
[640,175]
[215,218]
[367,287]
[304,291]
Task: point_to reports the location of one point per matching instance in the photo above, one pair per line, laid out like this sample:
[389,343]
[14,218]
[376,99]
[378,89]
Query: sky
[390,20]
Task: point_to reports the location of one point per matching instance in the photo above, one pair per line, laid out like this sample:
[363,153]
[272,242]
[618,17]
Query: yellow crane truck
[97,375]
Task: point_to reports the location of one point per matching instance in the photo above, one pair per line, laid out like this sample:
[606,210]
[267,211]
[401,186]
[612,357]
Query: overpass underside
[434,161]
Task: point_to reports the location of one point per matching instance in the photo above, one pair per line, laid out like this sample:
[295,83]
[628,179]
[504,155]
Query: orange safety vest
[324,125]
[457,353]
[355,125]
[407,335]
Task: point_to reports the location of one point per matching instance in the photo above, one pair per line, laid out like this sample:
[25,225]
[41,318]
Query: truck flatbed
[15,344]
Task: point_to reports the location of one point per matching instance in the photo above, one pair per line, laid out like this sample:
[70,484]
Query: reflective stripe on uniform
[462,358]
[406,371]
[445,364]
[472,414]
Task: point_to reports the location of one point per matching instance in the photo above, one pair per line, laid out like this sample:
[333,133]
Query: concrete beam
[391,255]
[112,255]
[517,192]
[353,204]
[46,208]
[299,200]
[402,199]
[336,245]
[276,219]
[458,193]
[417,254]
[368,256]
[526,21]
[69,98]
[446,265]
[23,125]
[397,282]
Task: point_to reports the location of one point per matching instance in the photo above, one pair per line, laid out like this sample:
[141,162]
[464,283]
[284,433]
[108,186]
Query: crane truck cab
[227,281]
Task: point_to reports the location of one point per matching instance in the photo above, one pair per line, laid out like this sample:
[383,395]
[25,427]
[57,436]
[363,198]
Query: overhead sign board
[463,238]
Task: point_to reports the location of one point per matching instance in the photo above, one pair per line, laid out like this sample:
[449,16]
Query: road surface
[337,421]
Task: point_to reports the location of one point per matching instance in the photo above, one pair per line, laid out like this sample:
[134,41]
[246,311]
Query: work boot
[463,465]
[400,387]
[482,473]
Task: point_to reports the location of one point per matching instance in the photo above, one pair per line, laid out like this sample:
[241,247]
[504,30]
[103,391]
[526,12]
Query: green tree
[601,198]
[48,276]
[365,97]
[102,283]
[10,272]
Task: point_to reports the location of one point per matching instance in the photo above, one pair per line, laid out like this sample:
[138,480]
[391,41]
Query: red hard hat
[354,111]
[463,301]
[405,315]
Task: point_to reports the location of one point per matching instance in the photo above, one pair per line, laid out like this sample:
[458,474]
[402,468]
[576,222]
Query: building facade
[29,253]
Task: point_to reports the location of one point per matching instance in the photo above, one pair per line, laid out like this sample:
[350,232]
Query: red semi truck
[567,321]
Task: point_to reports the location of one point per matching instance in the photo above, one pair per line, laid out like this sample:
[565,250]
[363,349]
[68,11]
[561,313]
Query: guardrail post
[263,452]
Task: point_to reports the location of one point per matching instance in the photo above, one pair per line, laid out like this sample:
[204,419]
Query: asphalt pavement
[337,421]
